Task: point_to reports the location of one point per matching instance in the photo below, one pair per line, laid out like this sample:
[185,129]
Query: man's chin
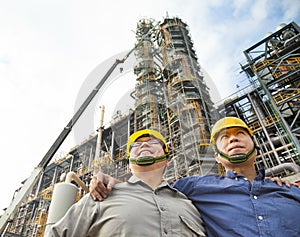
[236,151]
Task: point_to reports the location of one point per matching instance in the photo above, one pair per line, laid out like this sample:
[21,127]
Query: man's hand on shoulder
[100,185]
[280,181]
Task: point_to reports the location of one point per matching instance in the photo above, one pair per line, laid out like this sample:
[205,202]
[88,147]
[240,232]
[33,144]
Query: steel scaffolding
[272,108]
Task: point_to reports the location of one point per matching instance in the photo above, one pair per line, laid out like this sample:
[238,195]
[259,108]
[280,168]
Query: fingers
[100,185]
[280,182]
[101,188]
[111,183]
[98,191]
[277,180]
[287,183]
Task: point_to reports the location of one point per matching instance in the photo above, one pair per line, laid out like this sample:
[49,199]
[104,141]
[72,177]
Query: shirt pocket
[192,228]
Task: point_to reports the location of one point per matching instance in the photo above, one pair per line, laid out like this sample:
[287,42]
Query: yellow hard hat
[145,132]
[228,122]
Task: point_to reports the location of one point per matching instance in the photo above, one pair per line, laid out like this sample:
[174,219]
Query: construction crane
[38,171]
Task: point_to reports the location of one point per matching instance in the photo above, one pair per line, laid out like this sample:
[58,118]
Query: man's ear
[217,157]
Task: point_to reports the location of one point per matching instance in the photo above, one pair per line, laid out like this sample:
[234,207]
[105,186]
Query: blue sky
[49,48]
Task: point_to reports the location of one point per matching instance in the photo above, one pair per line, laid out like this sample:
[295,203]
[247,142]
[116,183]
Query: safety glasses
[149,142]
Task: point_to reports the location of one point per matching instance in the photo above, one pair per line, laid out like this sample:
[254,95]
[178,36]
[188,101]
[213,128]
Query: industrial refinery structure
[172,97]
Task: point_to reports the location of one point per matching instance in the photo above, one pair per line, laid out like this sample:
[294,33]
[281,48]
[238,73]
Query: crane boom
[38,171]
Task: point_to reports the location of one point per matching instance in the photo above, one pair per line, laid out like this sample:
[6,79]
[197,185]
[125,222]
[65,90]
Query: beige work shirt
[133,209]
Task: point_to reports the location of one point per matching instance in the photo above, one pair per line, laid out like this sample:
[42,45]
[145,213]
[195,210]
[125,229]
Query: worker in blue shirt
[242,203]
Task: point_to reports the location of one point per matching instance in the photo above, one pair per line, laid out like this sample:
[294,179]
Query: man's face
[234,141]
[147,146]
[145,149]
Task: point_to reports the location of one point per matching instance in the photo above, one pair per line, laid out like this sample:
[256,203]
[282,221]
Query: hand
[100,185]
[280,181]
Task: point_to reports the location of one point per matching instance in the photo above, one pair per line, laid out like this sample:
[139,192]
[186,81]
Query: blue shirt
[231,206]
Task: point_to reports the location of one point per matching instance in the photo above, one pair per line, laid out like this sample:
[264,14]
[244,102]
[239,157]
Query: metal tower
[272,108]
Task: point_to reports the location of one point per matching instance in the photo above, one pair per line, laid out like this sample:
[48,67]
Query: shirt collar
[232,174]
[134,179]
[261,174]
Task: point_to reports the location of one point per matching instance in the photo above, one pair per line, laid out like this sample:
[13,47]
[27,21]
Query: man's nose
[144,143]
[233,138]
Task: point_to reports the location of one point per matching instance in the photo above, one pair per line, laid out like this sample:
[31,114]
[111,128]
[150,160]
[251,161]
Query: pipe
[99,138]
[263,125]
[280,168]
[72,176]
[64,196]
[277,149]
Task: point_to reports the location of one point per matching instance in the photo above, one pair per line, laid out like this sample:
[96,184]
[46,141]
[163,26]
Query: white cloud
[240,7]
[291,10]
[259,10]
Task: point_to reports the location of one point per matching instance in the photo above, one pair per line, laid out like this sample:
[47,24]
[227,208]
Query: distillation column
[189,104]
[150,102]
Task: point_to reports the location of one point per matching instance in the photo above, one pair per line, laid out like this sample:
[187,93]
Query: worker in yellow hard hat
[221,130]
[145,205]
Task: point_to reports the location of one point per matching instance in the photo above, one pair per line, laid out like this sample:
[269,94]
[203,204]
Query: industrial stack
[171,96]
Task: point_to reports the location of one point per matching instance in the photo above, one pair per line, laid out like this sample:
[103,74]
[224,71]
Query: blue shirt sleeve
[185,185]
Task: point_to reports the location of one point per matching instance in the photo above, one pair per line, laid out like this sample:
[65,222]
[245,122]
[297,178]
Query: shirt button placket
[163,214]
[259,217]
[164,220]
